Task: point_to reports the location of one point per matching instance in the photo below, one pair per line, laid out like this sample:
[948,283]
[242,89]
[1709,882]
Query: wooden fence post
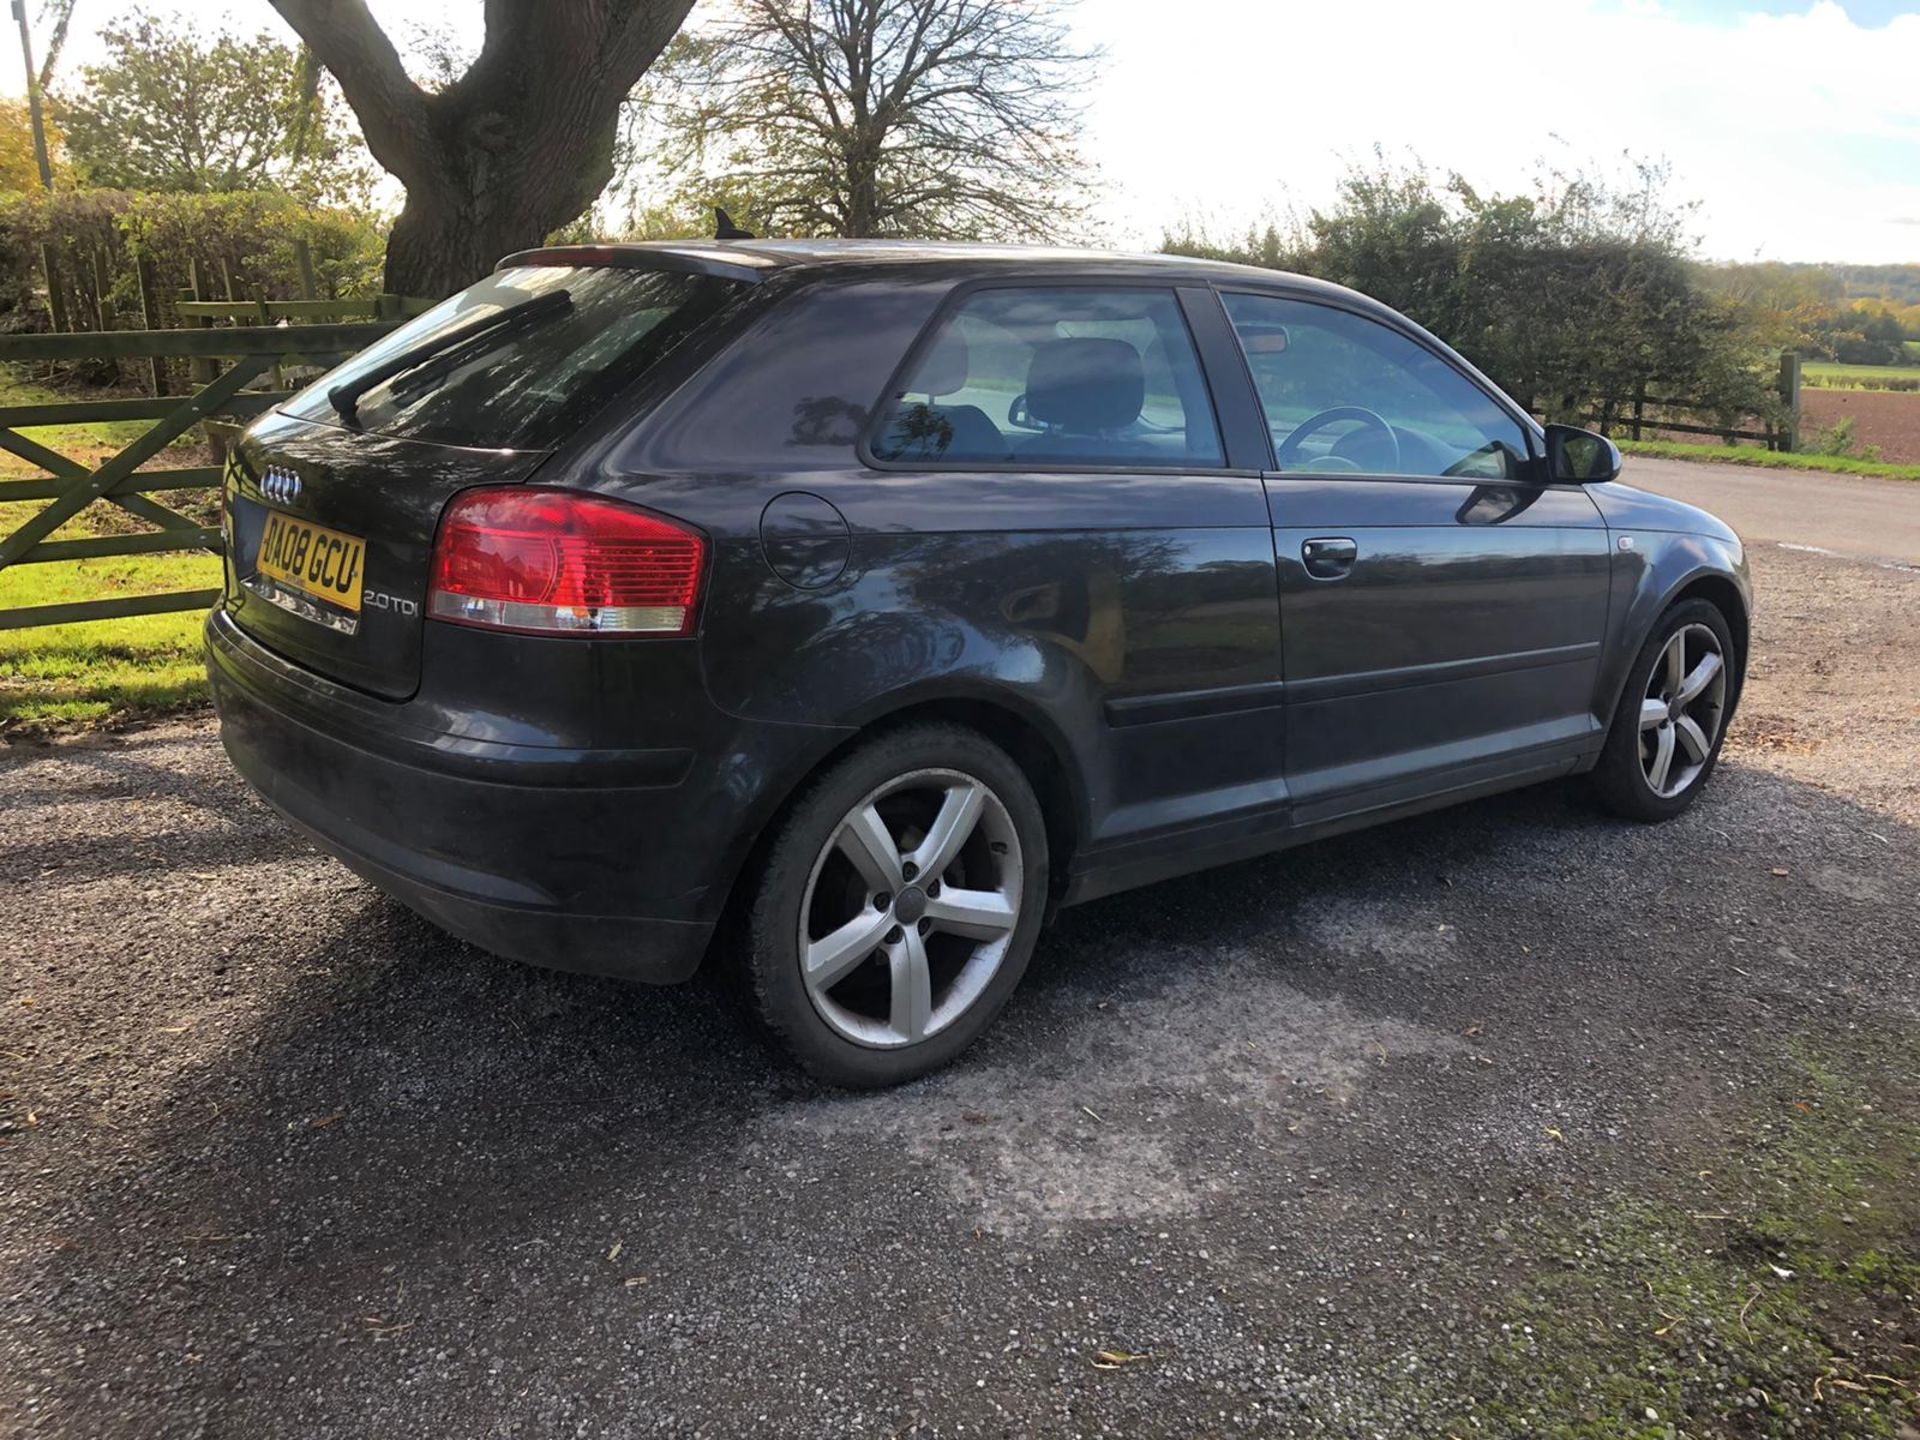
[1790,394]
[1639,407]
[102,283]
[56,302]
[263,318]
[309,282]
[149,313]
[201,370]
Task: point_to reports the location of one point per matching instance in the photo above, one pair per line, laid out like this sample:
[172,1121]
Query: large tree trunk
[500,180]
[512,150]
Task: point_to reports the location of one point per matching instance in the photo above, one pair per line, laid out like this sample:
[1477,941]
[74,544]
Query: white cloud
[1801,132]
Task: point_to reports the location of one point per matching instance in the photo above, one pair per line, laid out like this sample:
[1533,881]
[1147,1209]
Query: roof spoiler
[691,258]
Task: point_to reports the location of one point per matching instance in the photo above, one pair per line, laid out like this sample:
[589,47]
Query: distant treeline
[1895,285]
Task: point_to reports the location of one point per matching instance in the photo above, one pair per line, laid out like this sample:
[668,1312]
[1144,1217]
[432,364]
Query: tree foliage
[170,109]
[18,168]
[862,118]
[1574,297]
[512,148]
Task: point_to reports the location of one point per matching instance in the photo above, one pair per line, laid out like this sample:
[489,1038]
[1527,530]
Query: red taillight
[528,559]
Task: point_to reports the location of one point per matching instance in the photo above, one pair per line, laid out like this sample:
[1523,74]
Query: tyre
[1672,717]
[897,906]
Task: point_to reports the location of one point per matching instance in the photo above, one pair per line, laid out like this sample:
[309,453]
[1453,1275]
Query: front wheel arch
[1724,596]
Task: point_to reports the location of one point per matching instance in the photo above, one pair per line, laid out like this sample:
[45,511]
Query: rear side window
[518,360]
[1044,377]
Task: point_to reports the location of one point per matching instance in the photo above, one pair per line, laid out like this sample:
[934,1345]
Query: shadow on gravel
[415,1145]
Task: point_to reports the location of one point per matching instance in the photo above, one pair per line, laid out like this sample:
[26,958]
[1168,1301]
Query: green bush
[249,235]
[1575,298]
[1838,440]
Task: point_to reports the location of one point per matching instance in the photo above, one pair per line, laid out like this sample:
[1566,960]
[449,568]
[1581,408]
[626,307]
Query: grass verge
[1767,459]
[104,670]
[1780,1298]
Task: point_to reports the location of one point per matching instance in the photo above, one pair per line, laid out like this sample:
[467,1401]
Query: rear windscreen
[518,360]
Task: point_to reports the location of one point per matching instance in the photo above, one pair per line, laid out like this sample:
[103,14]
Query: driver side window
[1346,395]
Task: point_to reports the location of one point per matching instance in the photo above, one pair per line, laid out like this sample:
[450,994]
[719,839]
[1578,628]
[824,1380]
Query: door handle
[1329,558]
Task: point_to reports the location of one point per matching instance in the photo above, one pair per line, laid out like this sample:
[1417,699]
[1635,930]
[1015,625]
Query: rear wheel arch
[1040,752]
[1034,745]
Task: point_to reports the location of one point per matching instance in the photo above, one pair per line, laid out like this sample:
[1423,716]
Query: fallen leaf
[633,1280]
[614,1253]
[1115,1359]
[1780,870]
[327,1122]
[1553,1134]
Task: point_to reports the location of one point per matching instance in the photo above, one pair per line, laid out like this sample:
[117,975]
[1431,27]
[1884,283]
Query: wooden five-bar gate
[70,486]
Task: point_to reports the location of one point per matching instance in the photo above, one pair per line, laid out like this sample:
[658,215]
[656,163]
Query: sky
[1795,123]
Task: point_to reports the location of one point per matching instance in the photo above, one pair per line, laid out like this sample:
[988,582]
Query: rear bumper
[608,862]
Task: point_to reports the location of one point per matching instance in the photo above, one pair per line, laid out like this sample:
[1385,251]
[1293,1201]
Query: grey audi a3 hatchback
[836,611]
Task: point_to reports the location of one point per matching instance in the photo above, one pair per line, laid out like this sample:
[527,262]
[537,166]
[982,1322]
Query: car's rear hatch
[333,502]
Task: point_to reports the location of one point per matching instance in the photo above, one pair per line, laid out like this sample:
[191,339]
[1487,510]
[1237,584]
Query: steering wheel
[1290,447]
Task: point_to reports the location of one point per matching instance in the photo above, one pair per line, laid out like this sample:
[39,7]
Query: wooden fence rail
[69,486]
[1644,412]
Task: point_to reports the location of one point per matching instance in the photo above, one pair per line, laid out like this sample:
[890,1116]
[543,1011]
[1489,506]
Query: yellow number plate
[317,561]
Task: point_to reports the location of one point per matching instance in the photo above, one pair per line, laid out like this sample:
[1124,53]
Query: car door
[1441,608]
[1063,477]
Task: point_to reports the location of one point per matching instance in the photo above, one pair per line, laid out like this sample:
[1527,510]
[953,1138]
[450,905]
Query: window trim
[1400,325]
[950,304]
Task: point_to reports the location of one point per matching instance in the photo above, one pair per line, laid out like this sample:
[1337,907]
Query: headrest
[1086,384]
[945,368]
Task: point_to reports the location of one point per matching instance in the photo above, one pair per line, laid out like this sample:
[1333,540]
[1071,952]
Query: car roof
[753,259]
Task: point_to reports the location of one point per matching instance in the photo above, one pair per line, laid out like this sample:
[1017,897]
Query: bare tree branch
[392,110]
[878,117]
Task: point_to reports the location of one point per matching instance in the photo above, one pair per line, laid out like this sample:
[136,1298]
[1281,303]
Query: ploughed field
[1889,419]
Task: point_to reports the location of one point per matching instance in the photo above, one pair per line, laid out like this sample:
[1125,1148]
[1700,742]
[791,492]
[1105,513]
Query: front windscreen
[518,360]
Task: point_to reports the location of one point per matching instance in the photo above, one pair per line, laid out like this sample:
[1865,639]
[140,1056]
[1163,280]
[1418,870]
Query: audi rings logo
[280,484]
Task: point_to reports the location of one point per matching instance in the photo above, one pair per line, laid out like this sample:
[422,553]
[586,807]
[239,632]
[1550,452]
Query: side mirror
[1580,457]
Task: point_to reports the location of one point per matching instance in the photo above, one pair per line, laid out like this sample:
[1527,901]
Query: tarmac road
[1846,514]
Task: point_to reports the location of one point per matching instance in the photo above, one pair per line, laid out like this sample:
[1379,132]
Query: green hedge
[250,235]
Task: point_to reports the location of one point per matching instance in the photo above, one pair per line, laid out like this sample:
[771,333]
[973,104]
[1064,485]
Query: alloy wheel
[910,908]
[1682,711]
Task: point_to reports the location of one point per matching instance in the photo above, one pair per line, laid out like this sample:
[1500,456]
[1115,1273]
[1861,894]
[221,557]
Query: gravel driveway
[1507,1121]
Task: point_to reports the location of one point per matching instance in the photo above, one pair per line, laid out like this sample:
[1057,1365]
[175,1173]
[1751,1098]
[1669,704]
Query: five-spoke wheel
[1681,713]
[910,907]
[1672,717]
[899,902]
